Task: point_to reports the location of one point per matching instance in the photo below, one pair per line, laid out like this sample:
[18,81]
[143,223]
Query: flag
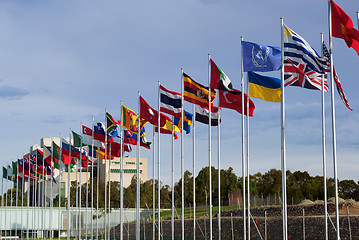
[266,88]
[14,169]
[170,102]
[111,123]
[116,147]
[196,93]
[47,155]
[147,112]
[233,100]
[342,27]
[130,120]
[99,132]
[87,138]
[219,79]
[131,138]
[4,172]
[77,139]
[187,122]
[202,115]
[296,49]
[301,75]
[9,172]
[260,58]
[336,78]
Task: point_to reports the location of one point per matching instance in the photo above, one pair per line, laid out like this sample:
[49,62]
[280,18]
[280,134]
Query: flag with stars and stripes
[326,55]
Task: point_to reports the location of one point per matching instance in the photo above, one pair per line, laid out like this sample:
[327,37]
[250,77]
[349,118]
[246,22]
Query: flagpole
[59,187]
[92,176]
[76,198]
[34,197]
[109,191]
[209,150]
[358,18]
[333,123]
[243,151]
[182,160]
[6,208]
[324,155]
[80,192]
[51,193]
[16,197]
[153,186]
[159,164]
[44,195]
[98,183]
[138,172]
[28,201]
[105,207]
[248,175]
[22,197]
[194,171]
[87,187]
[121,177]
[219,173]
[173,183]
[2,201]
[68,192]
[283,152]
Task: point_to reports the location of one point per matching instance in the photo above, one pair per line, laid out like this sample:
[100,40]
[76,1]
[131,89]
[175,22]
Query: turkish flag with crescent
[233,100]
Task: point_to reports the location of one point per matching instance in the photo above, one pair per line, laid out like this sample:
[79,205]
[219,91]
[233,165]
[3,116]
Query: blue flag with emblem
[260,58]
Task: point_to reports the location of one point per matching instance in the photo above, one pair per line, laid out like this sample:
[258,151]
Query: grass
[188,212]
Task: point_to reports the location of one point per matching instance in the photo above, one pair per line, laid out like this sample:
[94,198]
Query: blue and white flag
[260,58]
[296,49]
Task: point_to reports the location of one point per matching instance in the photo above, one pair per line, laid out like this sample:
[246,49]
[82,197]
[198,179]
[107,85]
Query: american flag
[300,74]
[336,79]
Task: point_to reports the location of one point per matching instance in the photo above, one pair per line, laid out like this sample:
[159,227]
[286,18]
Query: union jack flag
[301,75]
[326,55]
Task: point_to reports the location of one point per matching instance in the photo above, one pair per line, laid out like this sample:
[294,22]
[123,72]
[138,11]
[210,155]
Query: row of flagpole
[245,162]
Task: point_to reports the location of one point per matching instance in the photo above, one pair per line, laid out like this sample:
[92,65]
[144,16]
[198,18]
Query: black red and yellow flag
[196,93]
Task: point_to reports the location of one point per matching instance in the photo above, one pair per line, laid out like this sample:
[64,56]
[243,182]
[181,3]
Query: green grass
[188,212]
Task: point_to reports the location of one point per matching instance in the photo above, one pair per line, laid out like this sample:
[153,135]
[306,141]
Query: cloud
[11,93]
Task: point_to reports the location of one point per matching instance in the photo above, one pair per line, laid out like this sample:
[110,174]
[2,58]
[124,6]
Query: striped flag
[298,50]
[170,102]
[196,93]
[326,55]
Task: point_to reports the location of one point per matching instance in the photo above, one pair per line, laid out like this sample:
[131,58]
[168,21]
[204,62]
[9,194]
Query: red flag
[233,100]
[342,27]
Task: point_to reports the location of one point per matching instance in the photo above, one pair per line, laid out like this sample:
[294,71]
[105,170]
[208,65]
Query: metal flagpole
[334,134]
[6,208]
[138,172]
[98,183]
[173,183]
[59,186]
[194,171]
[92,175]
[28,200]
[68,191]
[80,191]
[109,192]
[159,164]
[105,210]
[16,197]
[324,155]
[243,152]
[358,18]
[248,192]
[209,151]
[219,174]
[34,198]
[283,153]
[182,160]
[44,196]
[76,199]
[121,175]
[2,205]
[87,187]
[51,193]
[22,196]
[153,185]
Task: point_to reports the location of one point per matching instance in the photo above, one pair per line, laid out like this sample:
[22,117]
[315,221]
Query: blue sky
[62,62]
